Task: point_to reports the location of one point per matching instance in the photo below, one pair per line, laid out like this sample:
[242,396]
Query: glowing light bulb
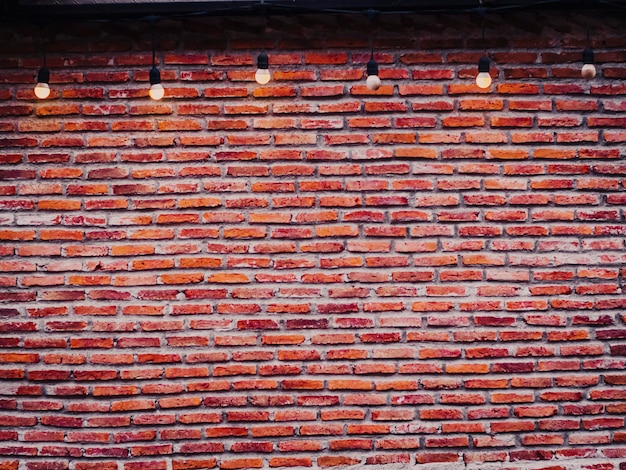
[588,71]
[156,91]
[262,75]
[42,89]
[483,79]
[373,80]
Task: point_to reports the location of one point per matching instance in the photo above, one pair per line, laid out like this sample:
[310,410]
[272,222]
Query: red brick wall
[307,273]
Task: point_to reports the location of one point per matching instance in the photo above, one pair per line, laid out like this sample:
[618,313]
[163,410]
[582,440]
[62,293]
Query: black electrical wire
[132,12]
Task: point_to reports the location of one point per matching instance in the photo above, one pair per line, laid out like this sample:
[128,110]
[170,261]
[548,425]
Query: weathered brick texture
[307,273]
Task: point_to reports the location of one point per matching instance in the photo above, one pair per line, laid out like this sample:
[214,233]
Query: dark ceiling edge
[43,11]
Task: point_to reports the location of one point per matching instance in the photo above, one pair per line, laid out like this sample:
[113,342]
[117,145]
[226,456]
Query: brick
[436,457]
[234,464]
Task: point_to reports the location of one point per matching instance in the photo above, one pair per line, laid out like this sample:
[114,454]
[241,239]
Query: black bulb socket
[263,61]
[372,67]
[44,75]
[155,76]
[588,56]
[483,64]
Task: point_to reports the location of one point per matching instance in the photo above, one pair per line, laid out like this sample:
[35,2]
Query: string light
[262,75]
[588,71]
[373,80]
[156,91]
[42,89]
[483,79]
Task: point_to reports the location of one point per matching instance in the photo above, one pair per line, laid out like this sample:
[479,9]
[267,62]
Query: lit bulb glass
[262,76]
[156,91]
[42,90]
[373,82]
[483,80]
[588,71]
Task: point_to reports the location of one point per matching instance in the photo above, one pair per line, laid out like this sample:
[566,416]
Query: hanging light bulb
[42,89]
[483,79]
[588,71]
[262,75]
[373,80]
[156,91]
